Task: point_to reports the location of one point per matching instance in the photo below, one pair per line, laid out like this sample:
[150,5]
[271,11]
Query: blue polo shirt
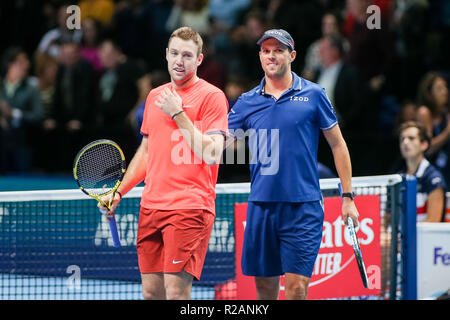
[283,137]
[428,179]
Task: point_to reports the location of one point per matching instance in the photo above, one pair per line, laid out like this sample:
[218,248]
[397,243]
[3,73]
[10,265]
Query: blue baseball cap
[281,35]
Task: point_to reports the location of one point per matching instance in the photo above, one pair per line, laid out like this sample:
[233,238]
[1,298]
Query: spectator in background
[156,14]
[191,13]
[414,141]
[371,52]
[73,106]
[20,112]
[433,113]
[211,69]
[385,10]
[51,41]
[370,49]
[302,19]
[330,25]
[407,112]
[224,15]
[341,81]
[92,30]
[410,24]
[234,88]
[100,10]
[234,167]
[145,83]
[132,29]
[118,95]
[46,75]
[243,49]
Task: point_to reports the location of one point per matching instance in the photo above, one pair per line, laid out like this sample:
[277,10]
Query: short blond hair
[187,33]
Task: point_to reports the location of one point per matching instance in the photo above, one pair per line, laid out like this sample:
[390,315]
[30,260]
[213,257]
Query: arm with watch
[344,169]
[207,147]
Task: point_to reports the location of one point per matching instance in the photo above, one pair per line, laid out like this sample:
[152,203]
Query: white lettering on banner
[367,230]
[102,233]
[332,274]
[337,224]
[327,263]
[327,239]
[335,228]
[221,239]
[127,228]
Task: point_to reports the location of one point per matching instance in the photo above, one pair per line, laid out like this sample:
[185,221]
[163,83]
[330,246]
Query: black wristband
[176,113]
[350,195]
[118,192]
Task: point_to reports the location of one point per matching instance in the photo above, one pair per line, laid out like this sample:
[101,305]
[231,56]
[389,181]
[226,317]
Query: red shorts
[170,241]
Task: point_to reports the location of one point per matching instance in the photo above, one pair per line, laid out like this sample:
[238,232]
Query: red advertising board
[335,273]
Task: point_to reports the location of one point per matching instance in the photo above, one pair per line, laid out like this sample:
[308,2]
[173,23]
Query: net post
[409,243]
[395,209]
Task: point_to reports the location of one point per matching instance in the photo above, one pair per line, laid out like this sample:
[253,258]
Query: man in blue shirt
[283,117]
[414,141]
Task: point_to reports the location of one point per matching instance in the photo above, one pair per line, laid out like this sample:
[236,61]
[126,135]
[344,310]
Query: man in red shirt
[183,135]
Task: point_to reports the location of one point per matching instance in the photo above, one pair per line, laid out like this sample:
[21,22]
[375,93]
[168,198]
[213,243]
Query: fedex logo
[440,256]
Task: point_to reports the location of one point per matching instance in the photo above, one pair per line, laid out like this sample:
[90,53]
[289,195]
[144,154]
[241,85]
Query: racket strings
[99,168]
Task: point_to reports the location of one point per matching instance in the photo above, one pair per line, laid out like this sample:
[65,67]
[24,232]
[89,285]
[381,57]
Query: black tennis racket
[98,170]
[356,248]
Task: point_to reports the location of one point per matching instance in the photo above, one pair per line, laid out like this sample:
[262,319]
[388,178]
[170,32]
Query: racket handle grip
[340,188]
[114,232]
[350,223]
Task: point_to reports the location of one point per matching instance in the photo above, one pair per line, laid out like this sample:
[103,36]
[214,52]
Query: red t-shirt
[176,178]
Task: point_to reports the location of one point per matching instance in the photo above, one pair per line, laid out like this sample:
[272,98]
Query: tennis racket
[356,248]
[98,170]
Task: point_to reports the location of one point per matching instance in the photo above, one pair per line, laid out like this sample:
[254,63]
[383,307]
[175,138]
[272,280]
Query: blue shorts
[282,237]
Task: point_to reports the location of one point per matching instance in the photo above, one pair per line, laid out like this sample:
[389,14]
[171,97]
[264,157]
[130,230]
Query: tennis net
[54,244]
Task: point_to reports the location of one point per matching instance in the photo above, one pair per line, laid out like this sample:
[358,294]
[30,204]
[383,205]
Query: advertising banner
[335,273]
[433,259]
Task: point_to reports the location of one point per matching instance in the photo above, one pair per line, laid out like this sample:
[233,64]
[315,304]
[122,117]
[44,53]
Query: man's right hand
[107,199]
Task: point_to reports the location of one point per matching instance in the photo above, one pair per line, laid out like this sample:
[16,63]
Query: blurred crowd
[62,87]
